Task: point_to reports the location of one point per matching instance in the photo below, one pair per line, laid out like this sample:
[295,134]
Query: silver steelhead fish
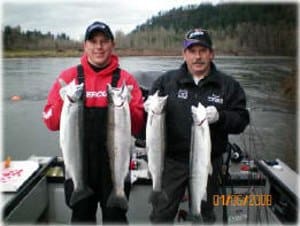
[155,143]
[200,162]
[71,143]
[118,142]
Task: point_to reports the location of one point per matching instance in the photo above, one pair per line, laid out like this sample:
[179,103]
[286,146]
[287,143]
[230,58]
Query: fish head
[118,96]
[78,92]
[198,114]
[147,103]
[75,91]
[156,103]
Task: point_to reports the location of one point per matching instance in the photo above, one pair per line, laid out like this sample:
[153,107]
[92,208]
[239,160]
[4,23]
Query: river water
[271,134]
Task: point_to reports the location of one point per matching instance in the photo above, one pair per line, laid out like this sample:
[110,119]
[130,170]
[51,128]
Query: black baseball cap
[197,36]
[98,26]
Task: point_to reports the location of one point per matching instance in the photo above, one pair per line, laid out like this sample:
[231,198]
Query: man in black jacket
[197,80]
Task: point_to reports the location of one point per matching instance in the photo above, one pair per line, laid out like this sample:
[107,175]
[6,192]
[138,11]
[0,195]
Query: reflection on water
[272,133]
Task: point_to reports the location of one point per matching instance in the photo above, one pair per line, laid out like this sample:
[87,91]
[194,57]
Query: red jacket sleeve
[136,107]
[53,107]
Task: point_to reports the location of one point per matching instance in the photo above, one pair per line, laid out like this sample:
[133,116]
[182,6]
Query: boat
[253,191]
[43,194]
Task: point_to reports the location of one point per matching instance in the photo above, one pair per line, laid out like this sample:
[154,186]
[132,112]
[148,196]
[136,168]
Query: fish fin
[204,198]
[117,201]
[158,197]
[149,174]
[195,219]
[78,195]
[210,169]
[132,145]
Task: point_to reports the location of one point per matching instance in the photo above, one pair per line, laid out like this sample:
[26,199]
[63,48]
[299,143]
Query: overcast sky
[73,16]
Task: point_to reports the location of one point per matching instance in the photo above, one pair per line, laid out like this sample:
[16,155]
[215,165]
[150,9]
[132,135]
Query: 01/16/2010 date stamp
[242,200]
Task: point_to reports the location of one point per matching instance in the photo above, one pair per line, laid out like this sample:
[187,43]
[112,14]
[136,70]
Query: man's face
[99,49]
[198,59]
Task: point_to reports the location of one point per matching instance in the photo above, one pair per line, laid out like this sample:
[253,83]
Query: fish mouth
[201,122]
[119,105]
[155,113]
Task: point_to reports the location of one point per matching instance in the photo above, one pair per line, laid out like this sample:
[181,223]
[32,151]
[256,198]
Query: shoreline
[121,53]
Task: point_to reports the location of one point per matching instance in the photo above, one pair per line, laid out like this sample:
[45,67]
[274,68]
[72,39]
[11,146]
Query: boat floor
[139,208]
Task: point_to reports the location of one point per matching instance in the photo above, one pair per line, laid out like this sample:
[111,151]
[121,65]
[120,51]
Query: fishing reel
[236,153]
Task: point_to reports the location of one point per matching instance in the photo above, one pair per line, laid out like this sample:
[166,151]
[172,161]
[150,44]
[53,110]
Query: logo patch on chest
[215,98]
[96,94]
[182,94]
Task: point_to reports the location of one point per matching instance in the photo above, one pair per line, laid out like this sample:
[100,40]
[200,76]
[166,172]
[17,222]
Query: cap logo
[195,34]
[97,26]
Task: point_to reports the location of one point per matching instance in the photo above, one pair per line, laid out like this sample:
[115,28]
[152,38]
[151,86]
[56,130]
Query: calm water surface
[271,134]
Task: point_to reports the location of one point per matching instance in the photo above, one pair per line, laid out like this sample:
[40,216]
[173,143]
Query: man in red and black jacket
[99,65]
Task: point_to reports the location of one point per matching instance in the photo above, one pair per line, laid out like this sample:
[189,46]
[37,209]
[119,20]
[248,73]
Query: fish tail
[117,201]
[158,197]
[210,170]
[204,198]
[195,219]
[78,195]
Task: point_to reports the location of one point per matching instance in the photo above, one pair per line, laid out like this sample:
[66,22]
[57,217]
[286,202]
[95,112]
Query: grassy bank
[119,52]
[40,53]
[76,53]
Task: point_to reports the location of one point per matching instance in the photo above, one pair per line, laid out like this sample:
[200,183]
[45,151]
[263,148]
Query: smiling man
[98,67]
[197,80]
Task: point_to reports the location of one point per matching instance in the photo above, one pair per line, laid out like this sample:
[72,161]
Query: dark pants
[85,210]
[175,181]
[98,174]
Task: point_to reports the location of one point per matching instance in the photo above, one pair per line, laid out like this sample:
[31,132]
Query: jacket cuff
[221,120]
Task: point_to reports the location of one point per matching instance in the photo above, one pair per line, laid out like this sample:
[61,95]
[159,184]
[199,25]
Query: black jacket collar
[186,78]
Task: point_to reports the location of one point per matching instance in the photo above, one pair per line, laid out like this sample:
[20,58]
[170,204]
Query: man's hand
[212,114]
[71,91]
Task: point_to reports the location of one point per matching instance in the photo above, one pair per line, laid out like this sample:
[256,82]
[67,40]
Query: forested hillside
[235,28]
[16,39]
